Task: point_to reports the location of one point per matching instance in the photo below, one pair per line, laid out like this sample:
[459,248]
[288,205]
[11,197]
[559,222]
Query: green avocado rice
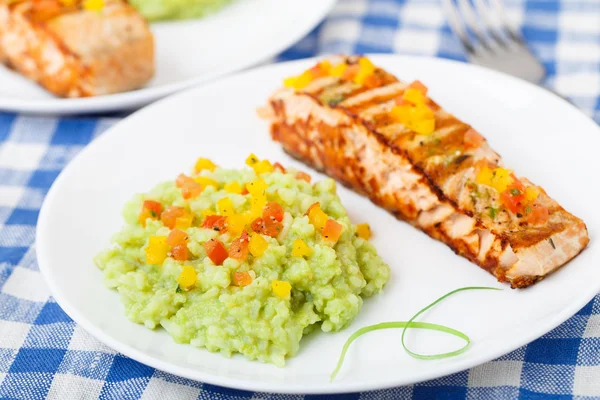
[155,10]
[255,318]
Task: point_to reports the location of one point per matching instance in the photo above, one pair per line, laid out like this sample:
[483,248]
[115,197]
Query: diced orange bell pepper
[242,279]
[180,252]
[238,249]
[332,231]
[190,190]
[170,215]
[176,237]
[538,214]
[150,209]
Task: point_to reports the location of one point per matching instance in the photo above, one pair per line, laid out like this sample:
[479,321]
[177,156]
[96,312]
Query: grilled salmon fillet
[388,140]
[77,52]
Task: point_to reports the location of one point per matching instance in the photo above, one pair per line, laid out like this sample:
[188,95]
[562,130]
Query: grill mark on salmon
[423,180]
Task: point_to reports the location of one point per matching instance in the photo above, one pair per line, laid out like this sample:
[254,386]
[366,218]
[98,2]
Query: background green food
[327,286]
[155,10]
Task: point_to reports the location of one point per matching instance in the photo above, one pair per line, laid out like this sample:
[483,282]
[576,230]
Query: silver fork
[493,42]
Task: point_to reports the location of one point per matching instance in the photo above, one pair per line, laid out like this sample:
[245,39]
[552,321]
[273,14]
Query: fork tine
[506,26]
[490,24]
[456,25]
[470,18]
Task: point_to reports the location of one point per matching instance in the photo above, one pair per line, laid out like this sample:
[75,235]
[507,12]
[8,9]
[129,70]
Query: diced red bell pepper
[215,222]
[216,251]
[513,197]
[266,227]
[273,211]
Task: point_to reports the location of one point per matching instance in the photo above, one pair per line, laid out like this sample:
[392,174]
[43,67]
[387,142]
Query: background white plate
[540,135]
[187,53]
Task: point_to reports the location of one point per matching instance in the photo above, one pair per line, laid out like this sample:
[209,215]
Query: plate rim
[144,96]
[290,388]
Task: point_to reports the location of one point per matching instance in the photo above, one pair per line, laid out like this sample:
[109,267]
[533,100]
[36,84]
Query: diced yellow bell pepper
[187,278]
[325,67]
[303,80]
[317,216]
[257,245]
[363,231]
[206,212]
[236,224]
[423,126]
[338,70]
[282,289]
[233,187]
[257,188]
[501,179]
[225,206]
[401,114]
[300,249]
[184,222]
[204,164]
[263,166]
[414,96]
[157,250]
[204,181]
[366,69]
[532,193]
[289,81]
[484,176]
[300,81]
[421,111]
[251,160]
[257,206]
[93,5]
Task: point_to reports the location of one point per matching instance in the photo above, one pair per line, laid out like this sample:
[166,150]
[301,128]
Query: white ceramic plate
[187,53]
[540,135]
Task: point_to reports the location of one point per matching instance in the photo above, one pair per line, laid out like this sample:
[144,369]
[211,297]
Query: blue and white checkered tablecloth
[44,354]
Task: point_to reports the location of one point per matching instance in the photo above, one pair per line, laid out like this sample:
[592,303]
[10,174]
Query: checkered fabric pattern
[44,354]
